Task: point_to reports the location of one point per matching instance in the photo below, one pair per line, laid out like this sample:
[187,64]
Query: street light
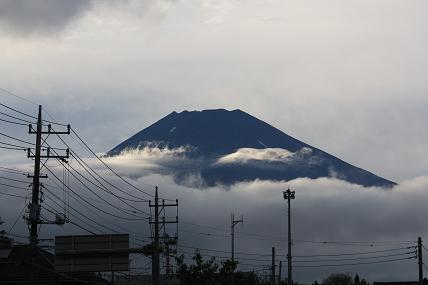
[289,195]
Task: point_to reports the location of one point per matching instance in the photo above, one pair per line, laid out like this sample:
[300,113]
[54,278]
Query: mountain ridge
[216,133]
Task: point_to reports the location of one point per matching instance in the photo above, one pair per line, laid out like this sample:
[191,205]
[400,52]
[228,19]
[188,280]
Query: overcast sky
[348,77]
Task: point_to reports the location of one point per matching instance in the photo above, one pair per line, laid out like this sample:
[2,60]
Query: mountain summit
[233,146]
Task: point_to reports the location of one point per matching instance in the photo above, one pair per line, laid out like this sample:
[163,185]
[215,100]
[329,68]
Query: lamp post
[289,195]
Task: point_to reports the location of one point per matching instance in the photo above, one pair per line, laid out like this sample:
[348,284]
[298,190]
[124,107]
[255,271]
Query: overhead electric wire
[78,158]
[17,96]
[357,243]
[78,212]
[93,192]
[15,170]
[91,210]
[12,122]
[17,219]
[14,145]
[101,210]
[13,195]
[16,139]
[52,122]
[15,180]
[222,251]
[17,111]
[354,258]
[104,189]
[301,256]
[353,264]
[350,254]
[106,165]
[13,148]
[17,118]
[57,186]
[13,186]
[25,114]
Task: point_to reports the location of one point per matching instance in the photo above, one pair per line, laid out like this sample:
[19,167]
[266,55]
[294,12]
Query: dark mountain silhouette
[233,146]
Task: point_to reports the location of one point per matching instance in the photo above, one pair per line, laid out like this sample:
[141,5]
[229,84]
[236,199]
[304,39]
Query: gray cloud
[39,17]
[366,219]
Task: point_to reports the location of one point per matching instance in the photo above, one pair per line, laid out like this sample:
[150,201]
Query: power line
[15,170]
[11,179]
[359,253]
[120,209]
[356,243]
[13,195]
[247,235]
[222,251]
[17,96]
[12,148]
[14,145]
[354,258]
[17,219]
[91,205]
[12,122]
[17,111]
[13,186]
[16,139]
[104,188]
[16,118]
[353,264]
[91,210]
[85,166]
[78,212]
[106,165]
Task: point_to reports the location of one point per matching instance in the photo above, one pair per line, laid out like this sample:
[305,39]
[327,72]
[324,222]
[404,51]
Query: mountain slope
[235,146]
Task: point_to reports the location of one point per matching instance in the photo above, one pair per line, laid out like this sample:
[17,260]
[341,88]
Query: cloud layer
[349,218]
[39,17]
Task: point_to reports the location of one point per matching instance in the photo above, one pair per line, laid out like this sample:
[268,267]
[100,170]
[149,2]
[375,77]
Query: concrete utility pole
[233,223]
[420,263]
[34,207]
[272,280]
[155,256]
[156,239]
[289,195]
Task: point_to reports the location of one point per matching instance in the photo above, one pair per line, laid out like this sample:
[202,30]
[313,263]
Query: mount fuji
[222,147]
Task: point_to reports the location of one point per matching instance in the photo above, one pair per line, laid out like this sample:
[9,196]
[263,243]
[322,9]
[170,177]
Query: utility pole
[168,241]
[156,238]
[272,280]
[280,272]
[34,207]
[233,223]
[289,195]
[420,263]
[155,256]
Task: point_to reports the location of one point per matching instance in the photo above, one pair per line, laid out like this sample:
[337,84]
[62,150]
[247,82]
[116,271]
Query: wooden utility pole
[280,272]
